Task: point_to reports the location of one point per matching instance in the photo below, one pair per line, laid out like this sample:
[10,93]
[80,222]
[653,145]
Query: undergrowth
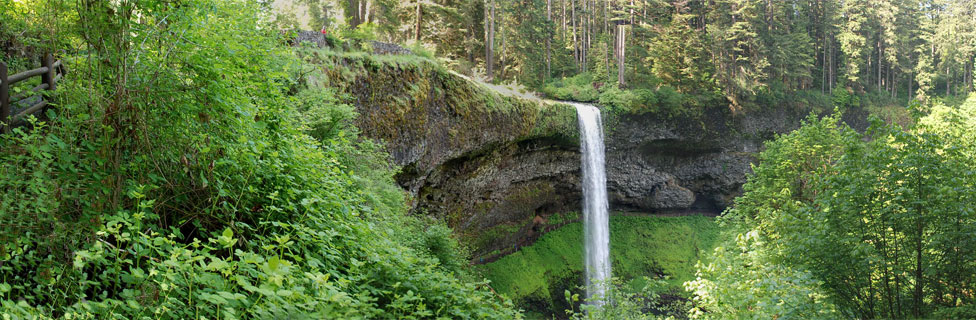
[183,172]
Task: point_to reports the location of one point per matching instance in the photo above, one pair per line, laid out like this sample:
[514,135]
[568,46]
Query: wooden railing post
[48,77]
[4,98]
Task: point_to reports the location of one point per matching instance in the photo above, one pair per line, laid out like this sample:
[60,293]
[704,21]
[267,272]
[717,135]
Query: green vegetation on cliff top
[399,90]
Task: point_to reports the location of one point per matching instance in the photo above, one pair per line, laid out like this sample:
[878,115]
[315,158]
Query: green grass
[639,246]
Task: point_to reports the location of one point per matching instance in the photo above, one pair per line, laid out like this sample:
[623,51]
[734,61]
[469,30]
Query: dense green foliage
[193,166]
[752,52]
[663,99]
[654,300]
[184,173]
[840,224]
[661,247]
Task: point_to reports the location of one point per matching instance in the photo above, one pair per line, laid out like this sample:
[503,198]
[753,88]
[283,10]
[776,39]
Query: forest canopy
[753,52]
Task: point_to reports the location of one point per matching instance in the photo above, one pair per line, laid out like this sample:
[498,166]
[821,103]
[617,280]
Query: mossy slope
[427,115]
[536,276]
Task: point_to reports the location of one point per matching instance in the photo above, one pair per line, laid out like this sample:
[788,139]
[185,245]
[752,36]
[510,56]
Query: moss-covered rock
[536,276]
[492,165]
[471,156]
[427,115]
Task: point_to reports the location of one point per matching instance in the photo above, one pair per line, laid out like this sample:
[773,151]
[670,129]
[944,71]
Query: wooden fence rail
[50,75]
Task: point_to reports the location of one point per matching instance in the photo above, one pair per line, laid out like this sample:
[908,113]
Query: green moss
[560,218]
[484,238]
[556,120]
[398,88]
[639,246]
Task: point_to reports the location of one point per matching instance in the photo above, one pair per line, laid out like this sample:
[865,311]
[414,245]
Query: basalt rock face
[504,198]
[503,170]
[662,164]
[508,195]
[484,162]
[672,164]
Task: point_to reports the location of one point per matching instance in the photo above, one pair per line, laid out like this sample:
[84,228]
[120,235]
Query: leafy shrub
[324,114]
[960,312]
[365,31]
[420,50]
[617,99]
[439,242]
[831,216]
[622,302]
[576,88]
[664,99]
[844,99]
[668,98]
[177,178]
[740,282]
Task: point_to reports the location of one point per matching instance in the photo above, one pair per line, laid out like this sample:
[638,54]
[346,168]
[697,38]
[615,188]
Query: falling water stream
[596,218]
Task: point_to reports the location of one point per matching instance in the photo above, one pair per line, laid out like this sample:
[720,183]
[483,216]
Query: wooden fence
[50,75]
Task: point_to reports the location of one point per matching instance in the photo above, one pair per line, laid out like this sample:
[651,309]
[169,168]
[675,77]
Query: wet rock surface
[655,165]
[501,184]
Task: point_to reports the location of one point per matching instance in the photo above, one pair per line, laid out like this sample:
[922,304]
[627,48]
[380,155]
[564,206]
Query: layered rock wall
[502,170]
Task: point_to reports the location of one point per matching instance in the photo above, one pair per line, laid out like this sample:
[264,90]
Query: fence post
[48,77]
[4,98]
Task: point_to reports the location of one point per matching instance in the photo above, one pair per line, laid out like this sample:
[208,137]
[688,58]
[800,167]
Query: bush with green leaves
[621,302]
[840,224]
[576,88]
[185,173]
[662,99]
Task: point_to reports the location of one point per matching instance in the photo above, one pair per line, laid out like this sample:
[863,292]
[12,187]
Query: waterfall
[596,217]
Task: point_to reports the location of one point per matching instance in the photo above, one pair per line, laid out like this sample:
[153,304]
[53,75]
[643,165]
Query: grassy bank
[536,276]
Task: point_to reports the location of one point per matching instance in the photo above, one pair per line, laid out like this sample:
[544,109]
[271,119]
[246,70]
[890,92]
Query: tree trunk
[891,81]
[563,25]
[490,43]
[501,57]
[576,53]
[948,80]
[631,12]
[621,54]
[919,233]
[586,33]
[548,41]
[824,84]
[589,34]
[919,282]
[582,26]
[367,10]
[606,59]
[833,68]
[969,73]
[420,14]
[911,81]
[353,6]
[606,20]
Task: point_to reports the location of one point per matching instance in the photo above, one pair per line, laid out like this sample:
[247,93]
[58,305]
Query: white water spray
[596,217]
